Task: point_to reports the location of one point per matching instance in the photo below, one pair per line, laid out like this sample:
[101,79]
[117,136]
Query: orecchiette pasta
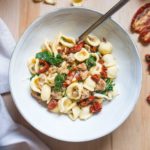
[109,60]
[92,40]
[105,48]
[73,78]
[55,44]
[82,55]
[51,79]
[31,65]
[98,95]
[67,41]
[47,46]
[89,84]
[45,92]
[34,84]
[74,91]
[85,113]
[112,72]
[65,105]
[96,69]
[74,114]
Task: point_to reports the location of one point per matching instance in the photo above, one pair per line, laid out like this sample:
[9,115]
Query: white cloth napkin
[12,135]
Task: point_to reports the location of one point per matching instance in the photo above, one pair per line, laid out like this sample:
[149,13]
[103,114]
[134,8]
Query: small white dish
[73,21]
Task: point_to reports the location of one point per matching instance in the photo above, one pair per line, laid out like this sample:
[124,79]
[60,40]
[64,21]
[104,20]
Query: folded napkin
[12,135]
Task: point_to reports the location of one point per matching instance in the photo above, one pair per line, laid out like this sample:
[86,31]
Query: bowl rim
[125,114]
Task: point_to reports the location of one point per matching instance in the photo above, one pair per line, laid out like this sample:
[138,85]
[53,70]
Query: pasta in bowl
[74,78]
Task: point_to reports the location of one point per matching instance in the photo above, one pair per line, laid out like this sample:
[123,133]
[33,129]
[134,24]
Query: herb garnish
[59,80]
[50,58]
[109,86]
[90,62]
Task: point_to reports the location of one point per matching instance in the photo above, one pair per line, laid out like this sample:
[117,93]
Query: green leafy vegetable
[69,67]
[33,75]
[50,58]
[90,62]
[109,86]
[59,80]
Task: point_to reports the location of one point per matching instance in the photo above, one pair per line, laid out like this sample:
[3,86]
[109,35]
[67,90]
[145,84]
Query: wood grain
[134,133]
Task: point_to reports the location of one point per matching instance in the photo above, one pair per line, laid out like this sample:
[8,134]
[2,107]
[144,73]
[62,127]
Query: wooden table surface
[134,133]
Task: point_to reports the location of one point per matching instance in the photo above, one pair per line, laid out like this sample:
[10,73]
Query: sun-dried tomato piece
[78,77]
[104,72]
[101,61]
[145,35]
[91,98]
[147,58]
[95,77]
[83,102]
[148,99]
[52,104]
[86,102]
[93,49]
[65,84]
[141,19]
[45,66]
[77,47]
[95,107]
[71,73]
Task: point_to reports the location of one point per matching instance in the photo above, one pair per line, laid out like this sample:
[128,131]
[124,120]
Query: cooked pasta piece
[82,55]
[67,41]
[89,84]
[96,69]
[34,84]
[112,72]
[74,91]
[45,92]
[85,113]
[75,112]
[105,48]
[92,40]
[98,95]
[109,60]
[65,105]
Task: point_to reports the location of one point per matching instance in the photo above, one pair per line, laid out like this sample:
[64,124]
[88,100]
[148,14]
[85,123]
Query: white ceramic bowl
[73,21]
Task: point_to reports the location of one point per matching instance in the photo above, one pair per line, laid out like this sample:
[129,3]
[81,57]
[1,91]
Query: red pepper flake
[45,66]
[95,77]
[148,99]
[52,104]
[95,107]
[77,47]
